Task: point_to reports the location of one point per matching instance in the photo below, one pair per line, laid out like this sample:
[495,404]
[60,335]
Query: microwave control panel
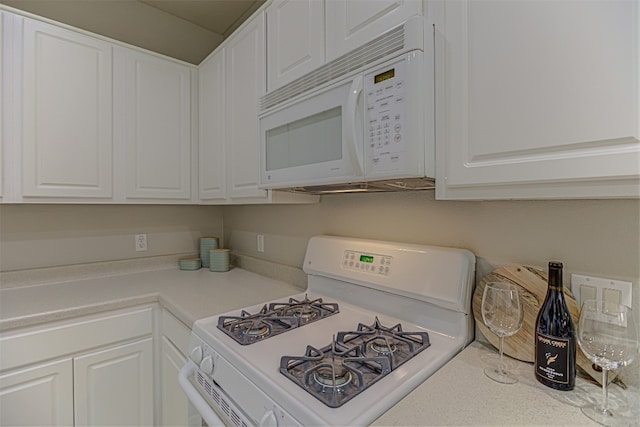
[385,117]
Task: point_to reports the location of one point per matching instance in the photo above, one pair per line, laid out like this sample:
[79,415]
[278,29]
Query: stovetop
[261,362]
[397,325]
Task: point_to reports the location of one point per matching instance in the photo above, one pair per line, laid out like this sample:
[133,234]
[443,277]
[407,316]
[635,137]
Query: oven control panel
[366,262]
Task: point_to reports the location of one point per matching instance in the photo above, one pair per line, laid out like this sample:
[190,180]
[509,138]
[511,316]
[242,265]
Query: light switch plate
[585,287]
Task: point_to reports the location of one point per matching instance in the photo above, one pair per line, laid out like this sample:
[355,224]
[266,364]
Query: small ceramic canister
[189,264]
[219,259]
[206,244]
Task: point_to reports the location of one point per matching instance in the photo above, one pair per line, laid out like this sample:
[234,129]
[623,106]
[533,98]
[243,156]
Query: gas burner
[256,329]
[353,361]
[274,319]
[382,345]
[332,376]
[306,310]
[378,340]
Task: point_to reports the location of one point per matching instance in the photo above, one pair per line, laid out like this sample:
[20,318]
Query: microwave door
[315,140]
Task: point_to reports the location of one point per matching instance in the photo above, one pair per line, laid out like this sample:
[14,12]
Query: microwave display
[389,74]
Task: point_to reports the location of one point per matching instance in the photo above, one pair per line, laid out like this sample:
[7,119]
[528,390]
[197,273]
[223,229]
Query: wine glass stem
[605,393]
[501,366]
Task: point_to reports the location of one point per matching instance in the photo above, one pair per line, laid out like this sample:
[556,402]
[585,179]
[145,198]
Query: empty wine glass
[608,337]
[502,313]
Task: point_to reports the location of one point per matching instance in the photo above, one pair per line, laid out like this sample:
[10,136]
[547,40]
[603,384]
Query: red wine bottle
[555,337]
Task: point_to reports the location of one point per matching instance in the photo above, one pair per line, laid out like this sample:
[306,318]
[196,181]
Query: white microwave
[369,129]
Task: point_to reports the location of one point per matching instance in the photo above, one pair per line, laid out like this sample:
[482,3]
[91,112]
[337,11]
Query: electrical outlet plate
[585,287]
[141,242]
[260,243]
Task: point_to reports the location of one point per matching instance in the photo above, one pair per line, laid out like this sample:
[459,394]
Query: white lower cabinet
[38,395]
[95,370]
[175,405]
[174,346]
[115,386]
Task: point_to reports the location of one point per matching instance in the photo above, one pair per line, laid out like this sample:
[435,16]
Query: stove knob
[269,419]
[207,365]
[196,354]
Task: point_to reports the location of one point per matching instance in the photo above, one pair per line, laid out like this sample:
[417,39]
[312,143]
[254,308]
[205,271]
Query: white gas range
[377,319]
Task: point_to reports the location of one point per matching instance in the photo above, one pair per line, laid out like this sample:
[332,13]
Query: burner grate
[354,361]
[274,319]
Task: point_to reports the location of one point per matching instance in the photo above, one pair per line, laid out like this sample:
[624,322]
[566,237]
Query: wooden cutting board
[533,283]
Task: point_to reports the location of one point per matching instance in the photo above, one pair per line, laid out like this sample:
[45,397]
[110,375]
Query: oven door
[200,411]
[316,140]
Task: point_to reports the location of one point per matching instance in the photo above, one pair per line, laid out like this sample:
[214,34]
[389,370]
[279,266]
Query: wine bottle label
[552,358]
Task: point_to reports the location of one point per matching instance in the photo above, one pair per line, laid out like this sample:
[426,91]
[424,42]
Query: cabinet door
[155,118]
[212,111]
[115,386]
[540,99]
[245,63]
[295,39]
[175,405]
[351,24]
[67,119]
[1,102]
[39,395]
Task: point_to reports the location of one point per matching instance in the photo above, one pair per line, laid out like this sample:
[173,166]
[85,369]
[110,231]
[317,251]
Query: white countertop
[460,394]
[189,295]
[457,394]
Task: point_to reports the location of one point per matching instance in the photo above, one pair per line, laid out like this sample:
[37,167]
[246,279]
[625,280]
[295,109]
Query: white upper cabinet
[351,24]
[66,115]
[212,112]
[246,81]
[537,99]
[153,123]
[231,80]
[295,39]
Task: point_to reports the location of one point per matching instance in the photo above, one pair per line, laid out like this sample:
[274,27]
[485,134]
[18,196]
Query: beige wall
[593,237]
[33,236]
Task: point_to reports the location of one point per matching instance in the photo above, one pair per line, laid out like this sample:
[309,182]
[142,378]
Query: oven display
[389,74]
[367,263]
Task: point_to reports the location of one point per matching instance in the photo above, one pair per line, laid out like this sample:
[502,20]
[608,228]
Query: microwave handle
[352,104]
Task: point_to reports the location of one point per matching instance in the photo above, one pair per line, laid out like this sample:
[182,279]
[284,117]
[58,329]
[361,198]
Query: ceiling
[185,29]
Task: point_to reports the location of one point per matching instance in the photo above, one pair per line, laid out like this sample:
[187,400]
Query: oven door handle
[208,414]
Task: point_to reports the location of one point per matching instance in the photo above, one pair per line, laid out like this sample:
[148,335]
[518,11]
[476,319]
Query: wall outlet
[141,242]
[585,287]
[260,243]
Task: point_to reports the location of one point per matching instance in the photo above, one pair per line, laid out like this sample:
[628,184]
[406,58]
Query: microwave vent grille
[388,43]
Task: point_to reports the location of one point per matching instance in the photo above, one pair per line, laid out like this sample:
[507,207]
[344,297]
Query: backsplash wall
[34,236]
[593,237]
